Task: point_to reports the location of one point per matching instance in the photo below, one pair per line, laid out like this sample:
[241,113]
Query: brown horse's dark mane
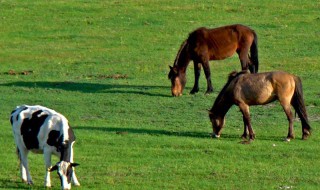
[222,95]
[179,53]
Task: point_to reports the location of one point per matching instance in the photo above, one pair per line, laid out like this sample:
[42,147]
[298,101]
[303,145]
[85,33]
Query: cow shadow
[12,184]
[147,90]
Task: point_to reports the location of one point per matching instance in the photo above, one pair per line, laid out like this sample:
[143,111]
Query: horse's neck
[183,58]
[221,106]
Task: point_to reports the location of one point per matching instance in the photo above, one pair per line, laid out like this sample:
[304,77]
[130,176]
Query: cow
[42,130]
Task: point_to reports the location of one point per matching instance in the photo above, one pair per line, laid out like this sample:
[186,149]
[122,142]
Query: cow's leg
[206,69]
[25,174]
[197,71]
[74,177]
[47,161]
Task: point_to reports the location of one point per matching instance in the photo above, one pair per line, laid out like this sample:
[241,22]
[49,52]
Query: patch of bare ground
[111,76]
[13,72]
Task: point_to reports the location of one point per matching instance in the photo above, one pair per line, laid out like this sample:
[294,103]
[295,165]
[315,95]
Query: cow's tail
[254,68]
[298,103]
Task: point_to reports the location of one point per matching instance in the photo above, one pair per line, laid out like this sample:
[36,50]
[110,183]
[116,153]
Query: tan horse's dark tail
[254,54]
[298,103]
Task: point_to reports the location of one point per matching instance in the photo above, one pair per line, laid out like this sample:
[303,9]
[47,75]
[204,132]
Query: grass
[104,65]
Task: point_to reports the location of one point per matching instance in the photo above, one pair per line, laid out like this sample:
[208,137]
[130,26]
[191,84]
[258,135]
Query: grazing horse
[244,89]
[204,45]
[43,130]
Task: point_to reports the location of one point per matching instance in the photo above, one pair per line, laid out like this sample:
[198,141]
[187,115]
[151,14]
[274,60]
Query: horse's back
[219,43]
[263,88]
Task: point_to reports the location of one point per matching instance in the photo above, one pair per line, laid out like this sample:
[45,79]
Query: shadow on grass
[155,132]
[93,87]
[193,134]
[11,184]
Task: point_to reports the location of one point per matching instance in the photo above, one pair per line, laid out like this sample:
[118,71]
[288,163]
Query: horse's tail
[254,54]
[298,103]
[183,47]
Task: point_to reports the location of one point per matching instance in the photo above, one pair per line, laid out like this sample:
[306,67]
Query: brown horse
[244,89]
[204,45]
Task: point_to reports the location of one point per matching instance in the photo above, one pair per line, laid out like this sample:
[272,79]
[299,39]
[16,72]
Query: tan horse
[204,45]
[244,89]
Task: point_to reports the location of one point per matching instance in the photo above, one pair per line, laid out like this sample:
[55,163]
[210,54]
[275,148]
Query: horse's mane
[232,76]
[179,52]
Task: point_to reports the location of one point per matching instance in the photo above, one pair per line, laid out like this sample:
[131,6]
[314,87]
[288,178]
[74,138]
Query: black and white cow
[43,130]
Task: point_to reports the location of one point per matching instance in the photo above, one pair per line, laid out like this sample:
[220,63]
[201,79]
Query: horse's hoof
[306,135]
[194,91]
[287,139]
[208,92]
[245,142]
[215,136]
[244,137]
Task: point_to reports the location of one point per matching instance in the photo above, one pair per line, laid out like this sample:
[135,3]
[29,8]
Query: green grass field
[104,65]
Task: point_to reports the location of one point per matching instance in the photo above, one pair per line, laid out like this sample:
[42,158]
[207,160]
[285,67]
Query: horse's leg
[244,57]
[244,108]
[207,72]
[197,70]
[245,132]
[287,109]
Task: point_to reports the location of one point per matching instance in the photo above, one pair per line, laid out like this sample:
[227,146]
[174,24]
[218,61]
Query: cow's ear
[53,168]
[74,164]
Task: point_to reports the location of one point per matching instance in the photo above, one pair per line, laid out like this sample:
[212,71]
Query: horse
[204,45]
[244,90]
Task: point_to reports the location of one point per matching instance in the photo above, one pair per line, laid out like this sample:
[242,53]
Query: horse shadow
[191,134]
[154,132]
[146,90]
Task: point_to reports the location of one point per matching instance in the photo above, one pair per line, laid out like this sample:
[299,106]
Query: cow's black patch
[69,173]
[65,151]
[30,129]
[53,139]
[11,118]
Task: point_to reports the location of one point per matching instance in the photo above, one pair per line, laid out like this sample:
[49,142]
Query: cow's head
[65,170]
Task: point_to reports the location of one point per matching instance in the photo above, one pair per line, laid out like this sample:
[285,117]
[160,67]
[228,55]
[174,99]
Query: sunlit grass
[104,65]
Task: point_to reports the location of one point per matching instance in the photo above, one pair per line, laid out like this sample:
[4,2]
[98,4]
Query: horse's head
[178,81]
[217,123]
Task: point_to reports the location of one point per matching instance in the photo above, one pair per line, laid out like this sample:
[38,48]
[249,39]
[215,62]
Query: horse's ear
[170,67]
[175,70]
